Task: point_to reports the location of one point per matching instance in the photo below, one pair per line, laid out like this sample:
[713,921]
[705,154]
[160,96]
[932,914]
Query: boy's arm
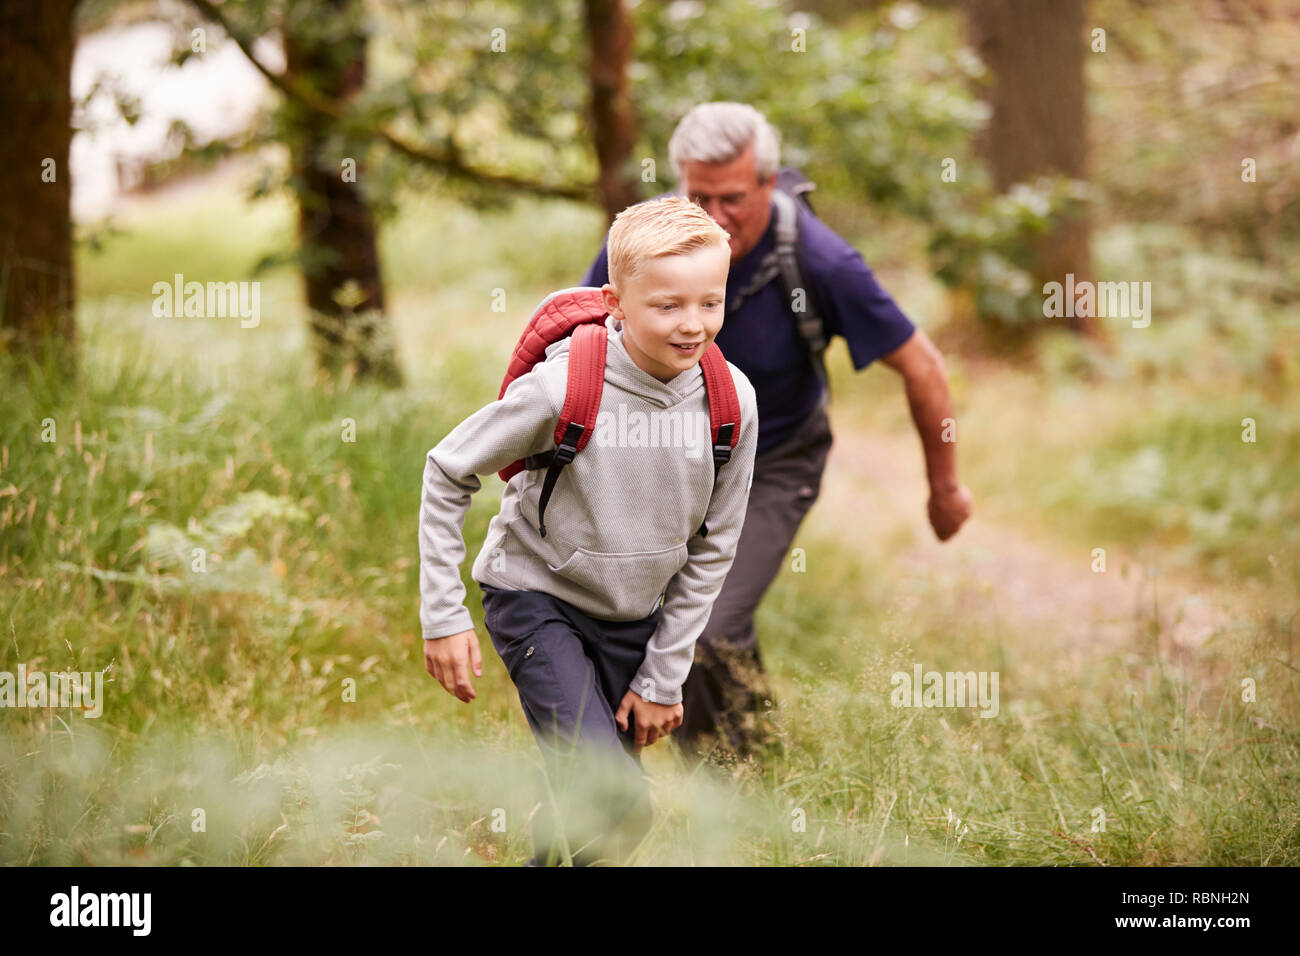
[690,594]
[520,423]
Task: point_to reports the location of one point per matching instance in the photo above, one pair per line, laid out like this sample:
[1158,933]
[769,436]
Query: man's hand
[950,506]
[450,658]
[652,721]
[926,379]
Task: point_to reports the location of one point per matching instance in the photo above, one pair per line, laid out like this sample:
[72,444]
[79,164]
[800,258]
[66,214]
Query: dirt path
[1000,572]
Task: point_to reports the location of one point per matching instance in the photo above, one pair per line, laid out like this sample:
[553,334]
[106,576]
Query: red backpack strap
[557,316]
[577,422]
[724,412]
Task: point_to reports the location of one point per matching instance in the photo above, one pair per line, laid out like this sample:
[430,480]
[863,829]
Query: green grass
[229,687]
[1181,768]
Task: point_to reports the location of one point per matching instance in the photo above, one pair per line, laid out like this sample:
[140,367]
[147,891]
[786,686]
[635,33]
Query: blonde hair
[671,226]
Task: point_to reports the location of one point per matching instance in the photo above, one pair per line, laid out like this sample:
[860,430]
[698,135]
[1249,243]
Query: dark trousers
[571,671]
[727,694]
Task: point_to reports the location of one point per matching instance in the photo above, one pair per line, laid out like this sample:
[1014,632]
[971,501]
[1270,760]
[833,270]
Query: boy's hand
[450,658]
[652,720]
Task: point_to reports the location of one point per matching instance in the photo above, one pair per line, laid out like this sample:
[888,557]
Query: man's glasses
[731,202]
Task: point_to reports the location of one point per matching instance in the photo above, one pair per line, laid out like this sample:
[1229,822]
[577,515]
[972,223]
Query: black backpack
[792,189]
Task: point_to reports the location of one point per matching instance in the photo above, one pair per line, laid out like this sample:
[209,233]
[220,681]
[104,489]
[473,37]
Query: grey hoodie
[621,522]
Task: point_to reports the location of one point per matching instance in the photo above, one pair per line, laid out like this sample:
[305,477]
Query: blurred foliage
[873,109]
[872,105]
[870,109]
[1185,93]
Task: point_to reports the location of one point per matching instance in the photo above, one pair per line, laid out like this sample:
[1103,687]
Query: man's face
[731,193]
[673,310]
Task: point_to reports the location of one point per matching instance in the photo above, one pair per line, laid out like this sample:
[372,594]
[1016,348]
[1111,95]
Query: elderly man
[726,157]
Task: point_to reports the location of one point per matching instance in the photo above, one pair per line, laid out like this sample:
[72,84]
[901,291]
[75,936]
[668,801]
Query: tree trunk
[36,277]
[1034,50]
[613,121]
[325,48]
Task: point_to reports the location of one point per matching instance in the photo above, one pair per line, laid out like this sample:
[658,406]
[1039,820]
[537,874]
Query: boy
[574,611]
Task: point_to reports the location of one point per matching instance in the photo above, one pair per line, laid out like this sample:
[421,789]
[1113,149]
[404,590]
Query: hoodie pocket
[632,580]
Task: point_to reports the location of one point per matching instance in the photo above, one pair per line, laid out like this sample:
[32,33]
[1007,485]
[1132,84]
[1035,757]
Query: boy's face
[676,301]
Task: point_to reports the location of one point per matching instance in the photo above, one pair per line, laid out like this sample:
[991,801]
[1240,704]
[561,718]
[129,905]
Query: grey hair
[719,132]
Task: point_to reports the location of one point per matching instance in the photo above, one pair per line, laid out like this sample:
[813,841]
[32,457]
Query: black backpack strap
[562,454]
[808,320]
[768,269]
[721,455]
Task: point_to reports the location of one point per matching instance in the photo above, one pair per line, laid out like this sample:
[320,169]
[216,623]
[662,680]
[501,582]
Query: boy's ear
[612,304]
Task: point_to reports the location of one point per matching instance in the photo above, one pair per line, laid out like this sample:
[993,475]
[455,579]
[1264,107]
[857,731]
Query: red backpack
[580,313]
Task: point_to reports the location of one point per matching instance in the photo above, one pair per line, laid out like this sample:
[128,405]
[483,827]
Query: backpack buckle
[568,446]
[722,449]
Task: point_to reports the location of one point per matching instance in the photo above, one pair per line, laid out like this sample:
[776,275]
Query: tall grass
[200,530]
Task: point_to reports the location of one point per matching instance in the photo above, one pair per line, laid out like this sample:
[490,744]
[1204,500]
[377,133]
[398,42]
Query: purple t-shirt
[761,338]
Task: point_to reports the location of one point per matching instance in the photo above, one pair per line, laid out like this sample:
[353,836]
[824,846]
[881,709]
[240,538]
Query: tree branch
[448,163]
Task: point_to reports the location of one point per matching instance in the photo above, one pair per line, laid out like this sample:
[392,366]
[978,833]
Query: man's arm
[926,380]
